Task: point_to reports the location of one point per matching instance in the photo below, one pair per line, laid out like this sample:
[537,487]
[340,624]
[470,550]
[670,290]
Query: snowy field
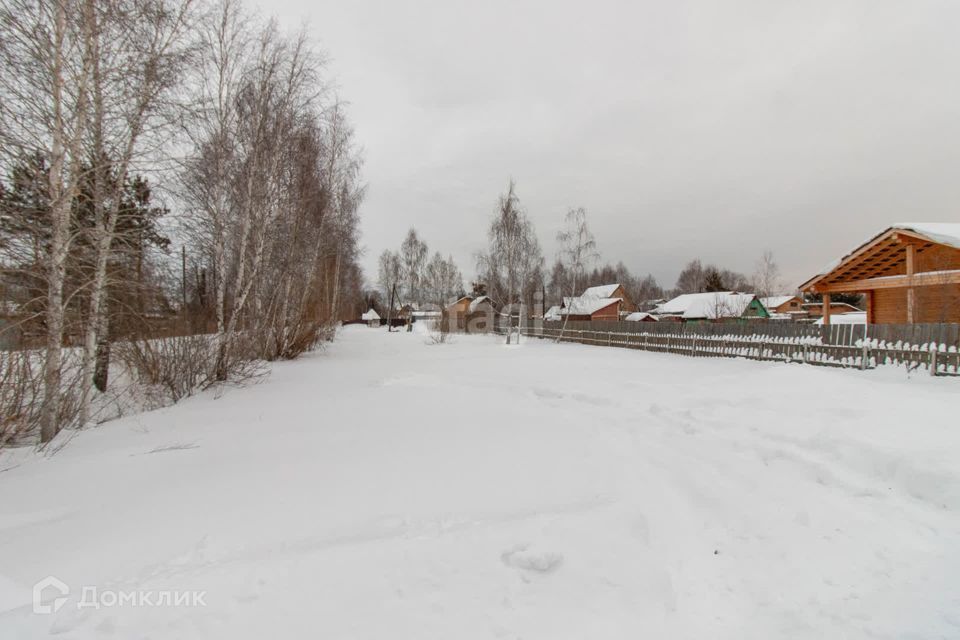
[391,489]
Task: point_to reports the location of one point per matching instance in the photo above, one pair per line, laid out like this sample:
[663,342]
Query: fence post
[933,362]
[864,356]
[804,356]
[609,338]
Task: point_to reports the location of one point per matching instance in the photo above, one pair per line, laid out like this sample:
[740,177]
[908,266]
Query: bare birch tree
[47,49]
[413,257]
[766,276]
[513,254]
[578,248]
[442,280]
[138,48]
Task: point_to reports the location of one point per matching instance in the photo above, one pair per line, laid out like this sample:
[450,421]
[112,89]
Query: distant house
[783,304]
[641,316]
[584,308]
[468,313]
[716,305]
[909,272]
[650,305]
[553,313]
[481,304]
[615,290]
[371,317]
[460,306]
[815,309]
[854,317]
[425,314]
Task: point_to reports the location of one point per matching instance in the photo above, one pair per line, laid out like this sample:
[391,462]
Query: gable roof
[370,315]
[775,301]
[710,305]
[945,233]
[586,306]
[601,291]
[476,302]
[640,316]
[553,313]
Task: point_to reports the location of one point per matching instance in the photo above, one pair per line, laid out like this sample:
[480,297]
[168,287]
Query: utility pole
[183,276]
[393,292]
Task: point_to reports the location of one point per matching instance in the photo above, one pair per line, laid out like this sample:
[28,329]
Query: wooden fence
[934,348]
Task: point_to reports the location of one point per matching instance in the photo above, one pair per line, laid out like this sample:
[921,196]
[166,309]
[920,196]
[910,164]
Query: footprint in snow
[523,558]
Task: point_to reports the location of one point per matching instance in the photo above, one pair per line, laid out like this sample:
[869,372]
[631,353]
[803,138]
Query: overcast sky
[686,129]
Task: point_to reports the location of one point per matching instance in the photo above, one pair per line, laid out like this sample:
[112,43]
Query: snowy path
[393,489]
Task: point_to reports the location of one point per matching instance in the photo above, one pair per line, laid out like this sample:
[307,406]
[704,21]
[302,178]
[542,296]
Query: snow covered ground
[388,488]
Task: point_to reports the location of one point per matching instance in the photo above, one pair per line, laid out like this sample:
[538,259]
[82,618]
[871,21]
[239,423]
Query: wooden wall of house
[938,258]
[935,303]
[611,313]
[627,306]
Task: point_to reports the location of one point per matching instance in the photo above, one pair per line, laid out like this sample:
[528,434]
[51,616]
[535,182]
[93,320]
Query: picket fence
[934,348]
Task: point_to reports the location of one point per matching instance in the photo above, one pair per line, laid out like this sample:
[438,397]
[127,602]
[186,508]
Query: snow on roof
[600,291]
[370,315]
[711,305]
[586,306]
[947,233]
[639,316]
[553,313]
[775,301]
[854,317]
[476,302]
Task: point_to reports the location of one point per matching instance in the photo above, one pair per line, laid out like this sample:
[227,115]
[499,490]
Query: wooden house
[371,317]
[615,290]
[815,309]
[908,273]
[783,304]
[460,306]
[591,309]
[713,305]
[480,315]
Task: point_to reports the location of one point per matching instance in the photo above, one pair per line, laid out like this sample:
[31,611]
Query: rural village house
[615,290]
[641,316]
[602,302]
[584,308]
[783,304]
[815,309]
[715,305]
[371,317]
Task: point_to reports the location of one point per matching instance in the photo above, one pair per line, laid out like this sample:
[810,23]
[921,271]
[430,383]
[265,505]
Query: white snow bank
[390,489]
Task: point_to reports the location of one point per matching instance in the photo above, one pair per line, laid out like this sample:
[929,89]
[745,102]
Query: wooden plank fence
[933,347]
